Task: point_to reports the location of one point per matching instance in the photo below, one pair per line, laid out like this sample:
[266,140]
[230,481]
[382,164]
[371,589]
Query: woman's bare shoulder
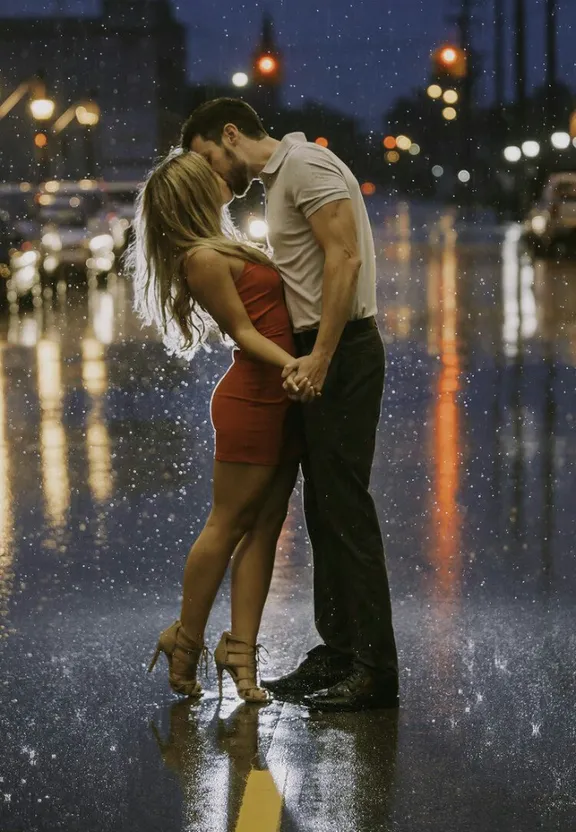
[207,259]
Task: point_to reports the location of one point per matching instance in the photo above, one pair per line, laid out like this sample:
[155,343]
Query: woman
[191,278]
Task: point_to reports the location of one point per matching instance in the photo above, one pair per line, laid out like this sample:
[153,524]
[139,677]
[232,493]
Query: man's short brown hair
[209,119]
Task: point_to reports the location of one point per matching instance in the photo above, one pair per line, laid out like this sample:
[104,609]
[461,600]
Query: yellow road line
[261,808]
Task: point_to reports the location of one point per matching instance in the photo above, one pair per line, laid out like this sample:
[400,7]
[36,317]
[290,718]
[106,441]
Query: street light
[449,113]
[87,113]
[450,96]
[512,153]
[531,149]
[403,142]
[560,140]
[240,79]
[42,109]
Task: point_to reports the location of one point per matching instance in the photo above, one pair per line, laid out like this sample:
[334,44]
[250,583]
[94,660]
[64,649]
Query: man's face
[224,160]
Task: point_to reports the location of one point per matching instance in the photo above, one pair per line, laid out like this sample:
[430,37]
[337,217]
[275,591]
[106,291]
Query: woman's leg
[239,494]
[254,557]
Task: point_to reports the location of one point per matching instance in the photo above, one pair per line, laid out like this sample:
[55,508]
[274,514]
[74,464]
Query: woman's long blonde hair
[179,209]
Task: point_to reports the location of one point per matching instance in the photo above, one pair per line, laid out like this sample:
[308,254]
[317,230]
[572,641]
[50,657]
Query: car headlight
[539,223]
[25,278]
[50,264]
[102,263]
[101,242]
[21,259]
[51,240]
[257,229]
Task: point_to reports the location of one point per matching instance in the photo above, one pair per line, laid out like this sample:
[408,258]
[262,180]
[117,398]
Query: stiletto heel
[155,658]
[182,672]
[240,660]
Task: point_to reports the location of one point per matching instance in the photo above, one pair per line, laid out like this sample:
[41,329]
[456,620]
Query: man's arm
[334,228]
[320,191]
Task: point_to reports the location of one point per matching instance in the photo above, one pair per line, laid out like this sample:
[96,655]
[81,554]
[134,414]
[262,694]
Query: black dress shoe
[321,668]
[360,691]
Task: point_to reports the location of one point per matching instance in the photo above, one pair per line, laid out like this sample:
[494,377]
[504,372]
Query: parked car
[553,219]
[76,232]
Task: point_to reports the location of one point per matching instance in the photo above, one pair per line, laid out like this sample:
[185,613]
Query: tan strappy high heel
[183,665]
[240,660]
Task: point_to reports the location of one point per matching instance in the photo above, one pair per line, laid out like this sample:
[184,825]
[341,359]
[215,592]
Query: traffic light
[40,140]
[449,61]
[267,69]
[42,152]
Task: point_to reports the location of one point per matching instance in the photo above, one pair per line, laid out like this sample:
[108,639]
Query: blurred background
[459,119]
[471,104]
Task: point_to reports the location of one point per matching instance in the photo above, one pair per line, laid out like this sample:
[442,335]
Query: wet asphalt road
[105,464]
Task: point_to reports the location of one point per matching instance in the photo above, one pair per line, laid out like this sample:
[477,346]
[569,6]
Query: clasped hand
[304,378]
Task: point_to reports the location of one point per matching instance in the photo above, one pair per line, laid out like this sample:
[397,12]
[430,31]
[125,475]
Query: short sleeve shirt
[299,178]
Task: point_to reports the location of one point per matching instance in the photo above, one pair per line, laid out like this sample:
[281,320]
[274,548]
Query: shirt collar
[274,162]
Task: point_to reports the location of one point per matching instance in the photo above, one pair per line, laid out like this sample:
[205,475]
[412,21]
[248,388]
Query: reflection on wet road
[105,463]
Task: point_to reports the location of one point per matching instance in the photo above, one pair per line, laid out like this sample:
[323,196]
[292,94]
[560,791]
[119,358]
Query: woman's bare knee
[233,524]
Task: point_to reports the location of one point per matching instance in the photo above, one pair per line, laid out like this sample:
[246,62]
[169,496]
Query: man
[322,241]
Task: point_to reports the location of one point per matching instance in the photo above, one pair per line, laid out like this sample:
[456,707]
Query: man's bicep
[211,285]
[334,227]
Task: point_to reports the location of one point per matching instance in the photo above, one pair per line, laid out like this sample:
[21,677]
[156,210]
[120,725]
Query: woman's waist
[252,380]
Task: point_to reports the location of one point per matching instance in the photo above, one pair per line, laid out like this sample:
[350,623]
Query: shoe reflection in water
[194,750]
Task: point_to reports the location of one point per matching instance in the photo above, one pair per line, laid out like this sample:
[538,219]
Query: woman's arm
[212,286]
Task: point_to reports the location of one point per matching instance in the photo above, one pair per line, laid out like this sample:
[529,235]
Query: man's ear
[231,133]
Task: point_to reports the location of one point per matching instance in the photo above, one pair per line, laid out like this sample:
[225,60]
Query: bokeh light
[240,79]
[434,91]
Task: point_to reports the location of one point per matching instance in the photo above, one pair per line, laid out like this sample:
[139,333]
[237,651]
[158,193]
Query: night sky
[355,55]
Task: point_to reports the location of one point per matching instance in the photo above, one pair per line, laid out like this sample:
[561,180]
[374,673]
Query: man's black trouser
[351,593]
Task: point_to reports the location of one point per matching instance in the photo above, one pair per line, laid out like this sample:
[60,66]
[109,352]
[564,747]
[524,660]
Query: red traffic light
[450,60]
[267,65]
[448,55]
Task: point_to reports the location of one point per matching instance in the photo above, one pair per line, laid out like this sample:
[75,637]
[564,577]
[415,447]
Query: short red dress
[254,420]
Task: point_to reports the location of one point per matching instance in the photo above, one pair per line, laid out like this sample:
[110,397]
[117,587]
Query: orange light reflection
[446,519]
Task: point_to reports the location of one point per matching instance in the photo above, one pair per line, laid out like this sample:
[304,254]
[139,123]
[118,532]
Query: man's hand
[308,372]
[303,394]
